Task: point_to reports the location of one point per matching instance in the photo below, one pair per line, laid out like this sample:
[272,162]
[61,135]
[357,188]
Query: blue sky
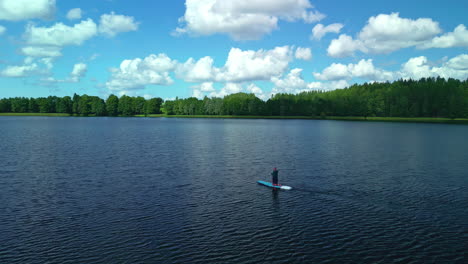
[217,47]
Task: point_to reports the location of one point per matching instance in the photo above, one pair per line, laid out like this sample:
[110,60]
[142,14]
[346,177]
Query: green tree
[5,105]
[112,105]
[52,102]
[98,106]
[84,105]
[153,106]
[64,105]
[33,107]
[139,104]
[168,107]
[44,105]
[19,104]
[126,105]
[76,101]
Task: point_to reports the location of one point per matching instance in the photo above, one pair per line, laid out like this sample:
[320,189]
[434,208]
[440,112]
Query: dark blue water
[137,190]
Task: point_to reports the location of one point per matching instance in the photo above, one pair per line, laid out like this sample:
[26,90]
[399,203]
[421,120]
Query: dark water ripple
[126,190]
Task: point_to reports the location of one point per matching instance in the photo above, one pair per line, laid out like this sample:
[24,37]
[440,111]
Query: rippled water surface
[138,190]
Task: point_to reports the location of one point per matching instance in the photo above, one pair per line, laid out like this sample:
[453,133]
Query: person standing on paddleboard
[274,177]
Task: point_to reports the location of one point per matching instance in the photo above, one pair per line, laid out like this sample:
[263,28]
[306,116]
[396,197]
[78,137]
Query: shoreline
[439,120]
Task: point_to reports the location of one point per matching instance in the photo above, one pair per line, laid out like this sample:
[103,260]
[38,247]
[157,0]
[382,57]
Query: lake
[180,190]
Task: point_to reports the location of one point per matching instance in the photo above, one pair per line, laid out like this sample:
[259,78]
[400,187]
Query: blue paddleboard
[269,184]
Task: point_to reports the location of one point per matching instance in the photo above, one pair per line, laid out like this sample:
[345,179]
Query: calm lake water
[141,190]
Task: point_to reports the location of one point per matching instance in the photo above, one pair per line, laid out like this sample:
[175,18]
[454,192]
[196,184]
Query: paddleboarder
[274,177]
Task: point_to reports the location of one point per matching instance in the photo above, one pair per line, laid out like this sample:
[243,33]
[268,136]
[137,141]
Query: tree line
[427,97]
[83,105]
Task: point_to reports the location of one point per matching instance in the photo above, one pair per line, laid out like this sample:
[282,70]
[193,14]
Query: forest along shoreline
[428,100]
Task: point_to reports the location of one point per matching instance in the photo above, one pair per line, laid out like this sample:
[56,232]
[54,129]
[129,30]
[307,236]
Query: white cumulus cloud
[320,30]
[253,88]
[419,67]
[240,66]
[41,51]
[15,10]
[303,54]
[387,33]
[459,62]
[197,94]
[364,69]
[335,71]
[112,24]
[294,83]
[327,86]
[243,19]
[48,41]
[250,65]
[61,34]
[384,34]
[206,87]
[20,70]
[229,88]
[414,68]
[138,73]
[201,90]
[74,14]
[79,71]
[197,71]
[457,38]
[344,46]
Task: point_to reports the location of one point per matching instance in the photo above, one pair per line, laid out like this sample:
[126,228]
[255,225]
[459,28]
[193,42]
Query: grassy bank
[402,119]
[34,114]
[344,118]
[354,118]
[238,116]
